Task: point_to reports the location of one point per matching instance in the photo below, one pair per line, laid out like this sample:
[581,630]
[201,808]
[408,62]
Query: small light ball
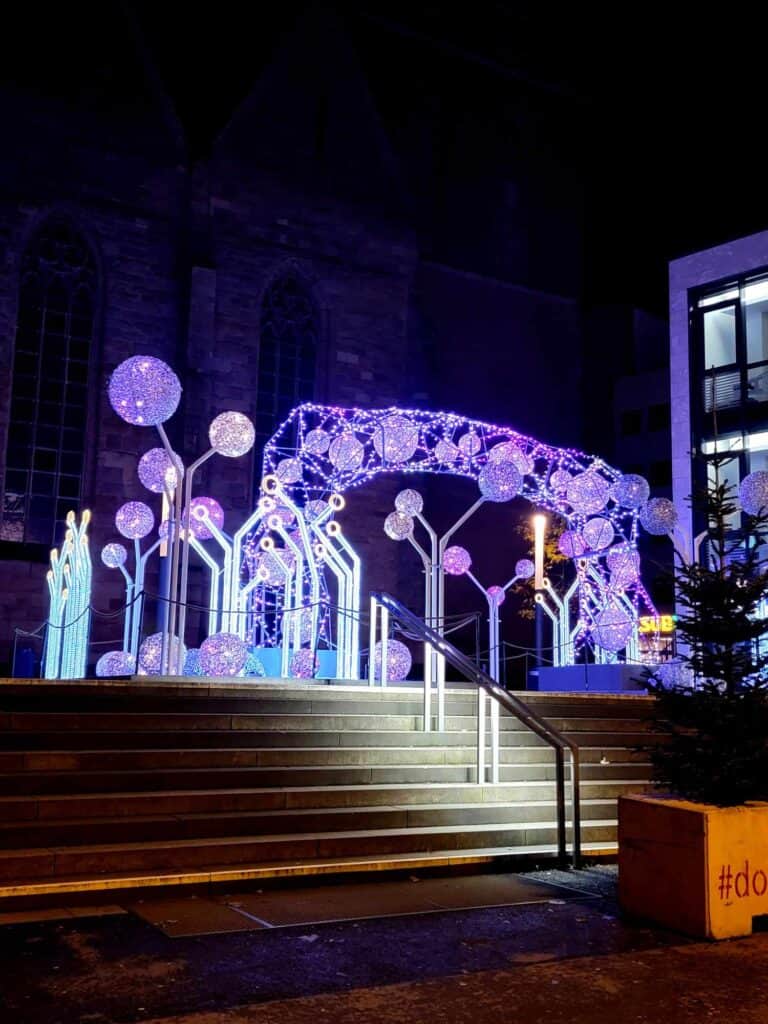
[157,472]
[150,653]
[231,434]
[658,516]
[510,451]
[395,438]
[398,661]
[456,560]
[134,520]
[346,453]
[624,565]
[198,527]
[446,452]
[144,391]
[598,533]
[612,627]
[497,595]
[524,568]
[500,481]
[409,501]
[223,654]
[314,509]
[304,664]
[289,471]
[270,570]
[753,493]
[116,663]
[113,555]
[571,544]
[470,444]
[398,526]
[588,492]
[317,441]
[559,481]
[631,491]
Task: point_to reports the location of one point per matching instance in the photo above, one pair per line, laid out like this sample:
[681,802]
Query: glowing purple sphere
[157,472]
[500,481]
[559,481]
[198,526]
[223,654]
[289,471]
[659,516]
[116,663]
[446,452]
[571,544]
[497,595]
[150,653]
[624,565]
[598,533]
[395,438]
[346,453]
[398,661]
[304,664]
[144,391]
[317,441]
[134,520]
[398,526]
[113,555]
[231,434]
[409,502]
[588,492]
[456,560]
[314,509]
[524,568]
[612,627]
[631,491]
[470,444]
[753,493]
[510,451]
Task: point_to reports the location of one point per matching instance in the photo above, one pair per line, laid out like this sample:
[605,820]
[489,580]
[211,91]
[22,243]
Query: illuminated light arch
[323,450]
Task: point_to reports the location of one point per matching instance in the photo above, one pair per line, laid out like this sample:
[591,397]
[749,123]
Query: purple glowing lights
[134,520]
[456,560]
[500,481]
[116,663]
[201,510]
[157,472]
[398,526]
[396,438]
[144,391]
[304,664]
[231,434]
[524,568]
[223,654]
[398,661]
[113,555]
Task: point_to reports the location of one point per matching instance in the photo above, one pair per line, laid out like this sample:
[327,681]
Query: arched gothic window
[287,354]
[49,398]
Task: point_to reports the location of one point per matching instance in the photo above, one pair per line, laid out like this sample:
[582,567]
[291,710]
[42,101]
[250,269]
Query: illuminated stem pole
[353,632]
[427,563]
[128,607]
[185,550]
[173,586]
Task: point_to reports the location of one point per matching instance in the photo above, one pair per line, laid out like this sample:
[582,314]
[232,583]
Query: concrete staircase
[126,786]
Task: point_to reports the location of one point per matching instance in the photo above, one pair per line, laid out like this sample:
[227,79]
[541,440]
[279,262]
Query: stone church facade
[345,250]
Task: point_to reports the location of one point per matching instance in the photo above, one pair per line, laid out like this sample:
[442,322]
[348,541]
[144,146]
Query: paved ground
[571,960]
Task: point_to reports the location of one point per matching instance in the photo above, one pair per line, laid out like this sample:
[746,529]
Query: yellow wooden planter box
[700,869]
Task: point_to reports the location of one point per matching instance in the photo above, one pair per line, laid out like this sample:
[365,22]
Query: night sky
[671,104]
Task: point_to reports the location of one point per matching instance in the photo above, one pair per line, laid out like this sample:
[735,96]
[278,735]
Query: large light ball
[398,661]
[134,520]
[398,526]
[524,568]
[198,526]
[223,654]
[624,565]
[612,627]
[753,493]
[659,516]
[269,569]
[588,492]
[497,595]
[470,444]
[150,653]
[631,491]
[446,452]
[304,664]
[144,391]
[116,663]
[317,441]
[598,533]
[409,501]
[113,555]
[289,471]
[559,481]
[456,560]
[346,453]
[510,451]
[571,544]
[231,434]
[500,481]
[157,472]
[395,438]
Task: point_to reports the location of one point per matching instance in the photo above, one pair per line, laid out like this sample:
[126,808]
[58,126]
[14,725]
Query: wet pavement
[569,957]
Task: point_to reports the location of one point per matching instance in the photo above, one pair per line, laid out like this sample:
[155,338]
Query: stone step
[206,801]
[78,831]
[183,854]
[81,740]
[111,760]
[156,780]
[20,892]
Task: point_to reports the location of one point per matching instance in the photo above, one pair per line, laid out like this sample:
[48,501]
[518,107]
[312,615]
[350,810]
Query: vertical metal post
[384,644]
[480,736]
[374,611]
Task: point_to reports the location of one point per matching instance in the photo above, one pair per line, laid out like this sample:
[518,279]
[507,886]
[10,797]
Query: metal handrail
[516,707]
